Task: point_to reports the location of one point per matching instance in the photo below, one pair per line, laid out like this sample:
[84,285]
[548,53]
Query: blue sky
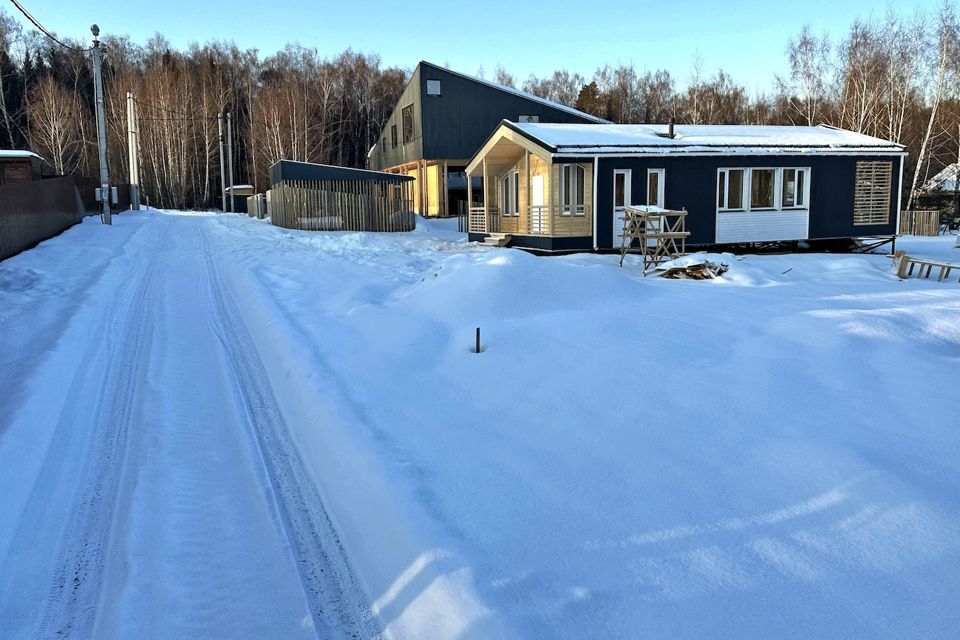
[746,39]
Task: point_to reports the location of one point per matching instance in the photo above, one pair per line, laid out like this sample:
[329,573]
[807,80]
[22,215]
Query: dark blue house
[557,187]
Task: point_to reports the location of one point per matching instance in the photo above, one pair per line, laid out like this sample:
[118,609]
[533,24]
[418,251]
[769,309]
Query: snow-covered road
[215,428]
[170,501]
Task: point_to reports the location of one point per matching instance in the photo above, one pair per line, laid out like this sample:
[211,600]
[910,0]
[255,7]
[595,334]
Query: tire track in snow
[337,602]
[74,597]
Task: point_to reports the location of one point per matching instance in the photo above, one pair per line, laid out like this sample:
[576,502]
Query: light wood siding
[762,226]
[570,225]
[871,196]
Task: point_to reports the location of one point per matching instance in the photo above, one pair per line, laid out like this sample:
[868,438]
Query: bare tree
[944,70]
[809,59]
[55,133]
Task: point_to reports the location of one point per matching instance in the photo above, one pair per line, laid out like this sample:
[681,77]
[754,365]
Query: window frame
[393,136]
[579,175]
[803,190]
[403,121]
[775,205]
[508,193]
[439,88]
[661,186]
[722,192]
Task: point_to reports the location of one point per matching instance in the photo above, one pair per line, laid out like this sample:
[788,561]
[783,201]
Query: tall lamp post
[101,127]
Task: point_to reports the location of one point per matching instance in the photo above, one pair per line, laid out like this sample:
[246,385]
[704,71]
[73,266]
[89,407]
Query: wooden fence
[257,206]
[340,205]
[920,223]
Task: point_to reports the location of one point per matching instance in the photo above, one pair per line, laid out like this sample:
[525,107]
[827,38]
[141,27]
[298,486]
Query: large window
[407,117]
[510,193]
[763,189]
[393,136]
[571,189]
[871,196]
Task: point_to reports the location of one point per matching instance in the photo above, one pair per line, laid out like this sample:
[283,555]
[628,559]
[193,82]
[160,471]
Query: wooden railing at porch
[484,219]
[560,221]
[540,221]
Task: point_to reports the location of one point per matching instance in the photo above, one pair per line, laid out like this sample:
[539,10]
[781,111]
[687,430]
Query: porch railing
[560,220]
[484,219]
[540,220]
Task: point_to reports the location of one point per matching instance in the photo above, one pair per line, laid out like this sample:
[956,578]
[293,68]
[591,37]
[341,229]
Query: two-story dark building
[441,120]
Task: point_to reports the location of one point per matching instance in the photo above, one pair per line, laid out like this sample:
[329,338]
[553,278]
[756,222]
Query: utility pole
[101,127]
[133,151]
[230,157]
[223,175]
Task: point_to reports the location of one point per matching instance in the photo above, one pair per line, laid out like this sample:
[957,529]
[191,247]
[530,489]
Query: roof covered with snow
[17,153]
[523,94]
[614,139]
[946,180]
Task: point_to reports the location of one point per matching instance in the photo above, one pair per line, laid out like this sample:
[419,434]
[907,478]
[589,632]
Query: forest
[894,77]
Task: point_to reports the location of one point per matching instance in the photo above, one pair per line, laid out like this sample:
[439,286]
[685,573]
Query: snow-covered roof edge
[522,94]
[613,139]
[18,153]
[945,180]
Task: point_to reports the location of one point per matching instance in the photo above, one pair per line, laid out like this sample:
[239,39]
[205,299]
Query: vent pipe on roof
[670,133]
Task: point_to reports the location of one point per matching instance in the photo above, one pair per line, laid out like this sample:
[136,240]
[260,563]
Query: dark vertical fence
[340,205]
[31,212]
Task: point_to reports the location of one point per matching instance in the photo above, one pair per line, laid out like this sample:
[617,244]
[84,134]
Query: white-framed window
[794,188]
[571,189]
[510,193]
[763,188]
[433,87]
[528,119]
[730,188]
[656,187]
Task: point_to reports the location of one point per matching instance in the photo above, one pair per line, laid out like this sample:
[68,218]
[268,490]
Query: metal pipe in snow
[478,341]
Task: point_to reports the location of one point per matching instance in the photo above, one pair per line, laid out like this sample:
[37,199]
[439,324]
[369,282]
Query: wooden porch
[522,192]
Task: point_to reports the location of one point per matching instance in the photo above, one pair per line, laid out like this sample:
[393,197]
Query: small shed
[323,197]
[18,166]
[239,193]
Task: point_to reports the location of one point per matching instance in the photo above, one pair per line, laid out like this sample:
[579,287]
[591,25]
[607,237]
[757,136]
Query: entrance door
[621,198]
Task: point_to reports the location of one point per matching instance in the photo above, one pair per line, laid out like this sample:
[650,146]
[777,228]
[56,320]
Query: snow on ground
[771,454]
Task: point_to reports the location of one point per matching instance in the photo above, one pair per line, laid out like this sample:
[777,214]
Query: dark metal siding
[691,183]
[31,212]
[456,123]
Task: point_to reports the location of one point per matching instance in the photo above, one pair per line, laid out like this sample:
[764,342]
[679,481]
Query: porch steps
[498,239]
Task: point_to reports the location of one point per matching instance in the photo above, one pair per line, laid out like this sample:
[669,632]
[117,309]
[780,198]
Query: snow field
[770,454]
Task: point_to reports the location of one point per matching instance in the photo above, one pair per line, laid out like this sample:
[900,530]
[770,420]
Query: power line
[45,31]
[182,114]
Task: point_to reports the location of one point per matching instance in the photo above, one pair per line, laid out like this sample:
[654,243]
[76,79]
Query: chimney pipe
[670,133]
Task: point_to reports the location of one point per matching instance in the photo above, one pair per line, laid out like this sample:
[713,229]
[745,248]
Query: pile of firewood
[705,270]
